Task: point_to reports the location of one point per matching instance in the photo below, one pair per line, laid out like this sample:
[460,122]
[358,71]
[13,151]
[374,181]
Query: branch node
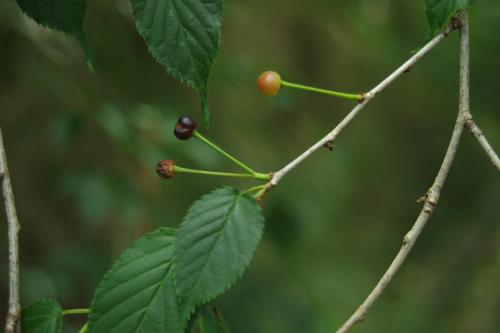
[456,22]
[260,196]
[368,95]
[422,199]
[406,239]
[11,321]
[430,204]
[329,145]
[431,201]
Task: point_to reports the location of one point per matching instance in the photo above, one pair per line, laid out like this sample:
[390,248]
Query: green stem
[85,328]
[75,311]
[254,175]
[261,193]
[357,97]
[200,137]
[253,189]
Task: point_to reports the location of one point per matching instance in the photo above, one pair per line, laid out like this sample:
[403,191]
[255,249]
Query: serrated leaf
[138,294]
[212,321]
[439,12]
[63,15]
[43,316]
[215,243]
[183,36]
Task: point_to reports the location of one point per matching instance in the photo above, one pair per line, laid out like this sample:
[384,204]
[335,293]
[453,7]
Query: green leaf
[214,245]
[192,321]
[43,316]
[183,36]
[212,321]
[439,12]
[63,15]
[138,294]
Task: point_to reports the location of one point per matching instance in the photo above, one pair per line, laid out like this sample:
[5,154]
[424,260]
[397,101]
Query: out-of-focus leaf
[63,15]
[212,321]
[43,316]
[439,12]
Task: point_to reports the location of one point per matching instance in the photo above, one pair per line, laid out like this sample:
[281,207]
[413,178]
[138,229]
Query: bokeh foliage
[82,151]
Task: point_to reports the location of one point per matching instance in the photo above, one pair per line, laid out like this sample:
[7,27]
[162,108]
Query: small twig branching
[432,197]
[330,138]
[430,200]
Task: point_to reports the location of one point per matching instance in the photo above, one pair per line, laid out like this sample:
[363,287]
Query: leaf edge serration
[171,231]
[185,316]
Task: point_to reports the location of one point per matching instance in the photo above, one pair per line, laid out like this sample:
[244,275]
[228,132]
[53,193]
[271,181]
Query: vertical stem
[13,240]
[464,102]
[464,77]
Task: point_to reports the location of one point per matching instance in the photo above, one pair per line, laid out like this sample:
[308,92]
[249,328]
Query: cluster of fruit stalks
[269,83]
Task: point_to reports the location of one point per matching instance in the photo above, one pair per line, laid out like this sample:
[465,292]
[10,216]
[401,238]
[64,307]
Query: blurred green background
[82,151]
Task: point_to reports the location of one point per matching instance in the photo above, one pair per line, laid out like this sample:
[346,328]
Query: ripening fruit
[165,169]
[184,128]
[269,83]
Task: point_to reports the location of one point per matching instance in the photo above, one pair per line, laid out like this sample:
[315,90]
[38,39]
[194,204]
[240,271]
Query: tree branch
[432,197]
[330,137]
[471,126]
[14,310]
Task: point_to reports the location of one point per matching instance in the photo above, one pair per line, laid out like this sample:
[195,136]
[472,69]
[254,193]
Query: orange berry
[269,83]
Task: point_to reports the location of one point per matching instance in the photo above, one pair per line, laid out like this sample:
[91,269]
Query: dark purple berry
[184,128]
[165,168]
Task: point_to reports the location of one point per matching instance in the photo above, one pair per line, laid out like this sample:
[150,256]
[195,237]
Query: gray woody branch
[330,137]
[14,310]
[471,126]
[432,197]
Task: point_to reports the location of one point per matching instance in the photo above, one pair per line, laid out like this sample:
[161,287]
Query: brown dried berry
[165,169]
[184,128]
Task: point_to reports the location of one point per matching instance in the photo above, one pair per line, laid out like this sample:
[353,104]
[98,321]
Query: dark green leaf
[192,321]
[44,316]
[137,294]
[439,12]
[63,15]
[183,36]
[212,321]
[214,244]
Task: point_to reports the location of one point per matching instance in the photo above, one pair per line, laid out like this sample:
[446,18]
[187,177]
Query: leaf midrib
[183,30]
[167,270]
[226,219]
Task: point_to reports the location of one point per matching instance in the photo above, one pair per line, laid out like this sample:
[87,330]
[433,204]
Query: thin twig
[432,197]
[13,236]
[471,126]
[473,129]
[330,137]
